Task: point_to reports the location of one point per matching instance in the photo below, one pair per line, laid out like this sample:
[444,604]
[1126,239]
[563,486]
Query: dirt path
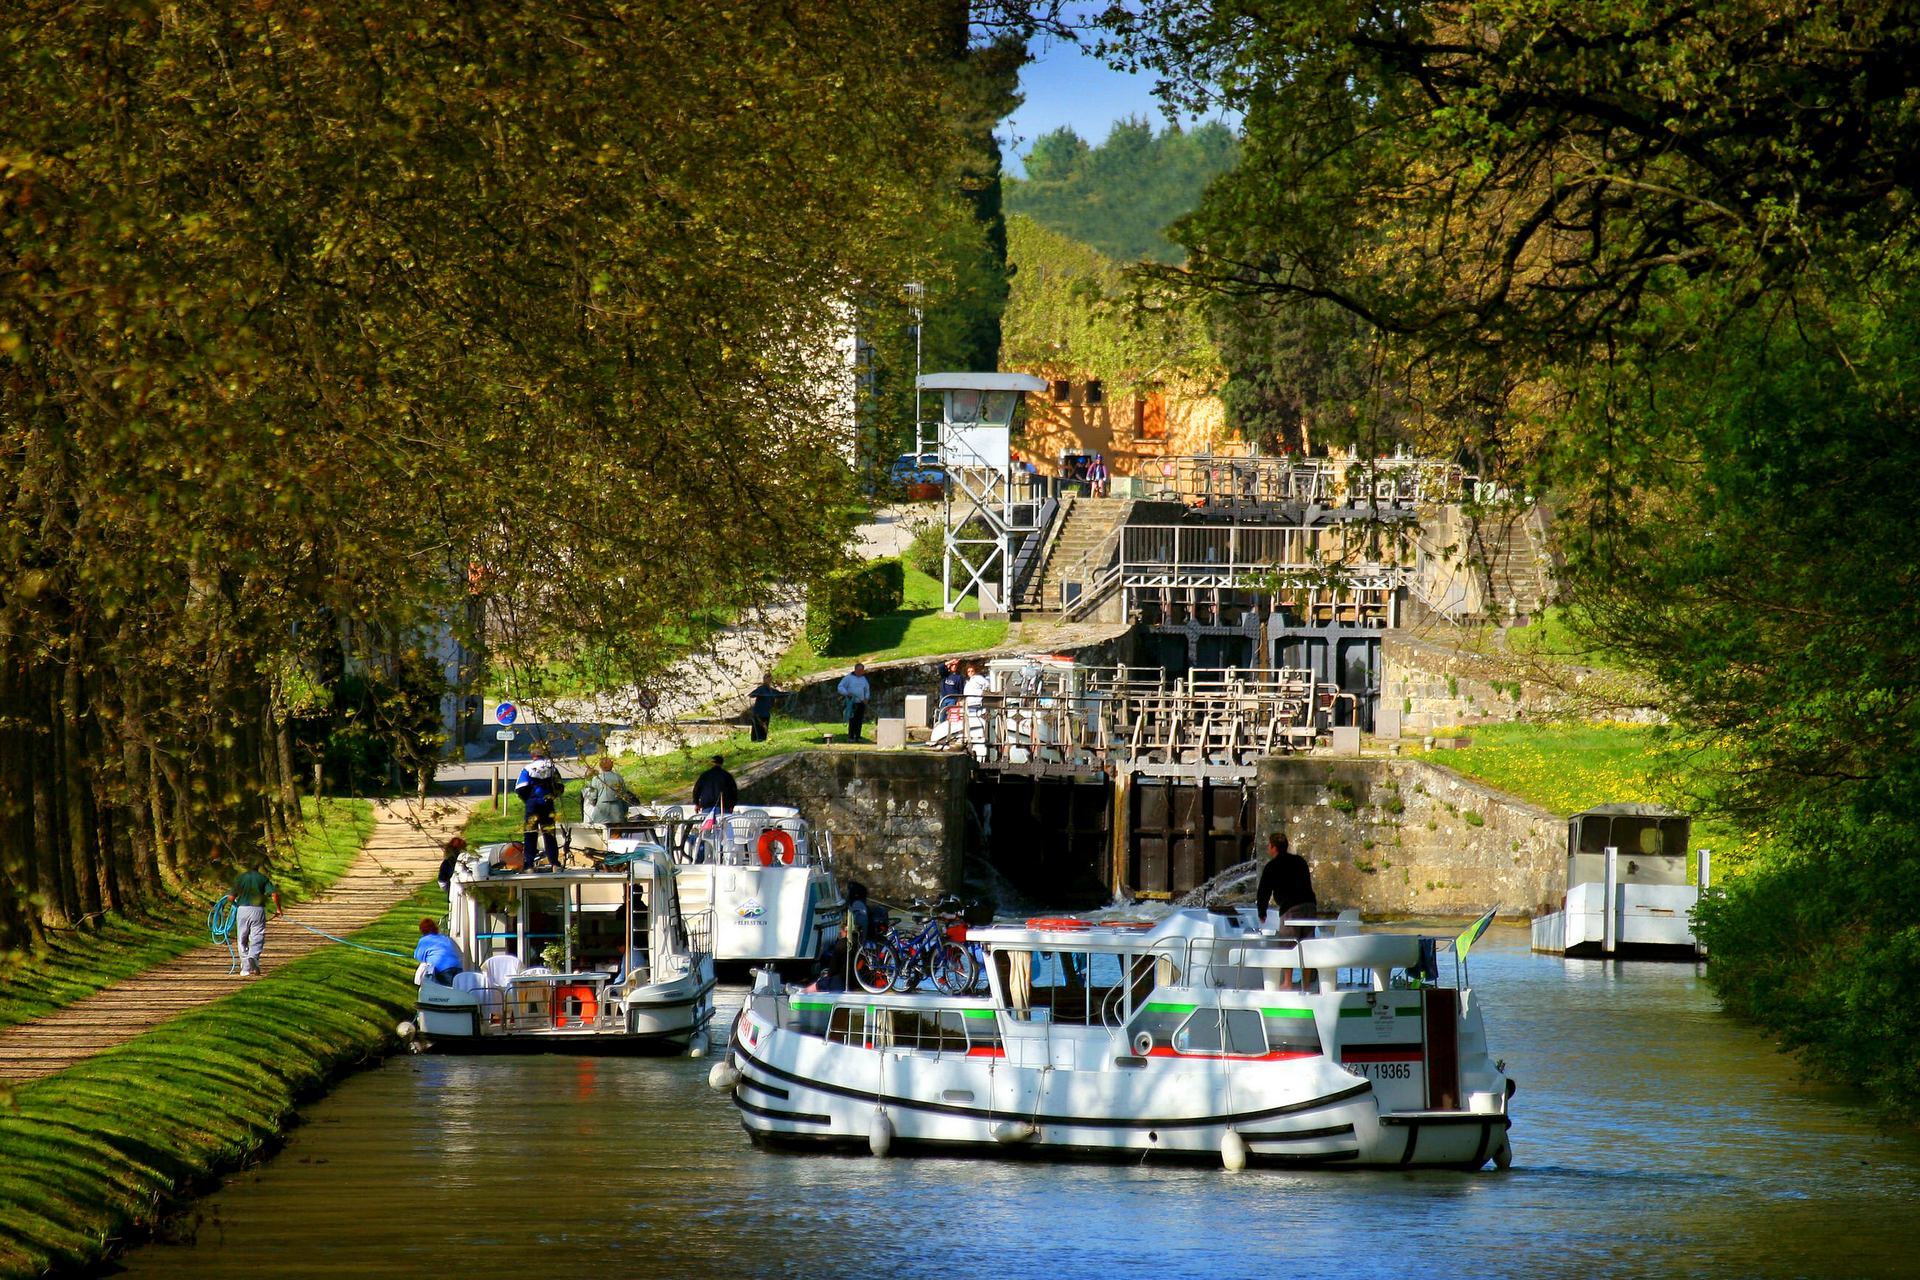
[401,854]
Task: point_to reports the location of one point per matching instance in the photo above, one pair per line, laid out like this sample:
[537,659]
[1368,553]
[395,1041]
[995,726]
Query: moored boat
[1197,1036]
[764,871]
[594,959]
[1627,892]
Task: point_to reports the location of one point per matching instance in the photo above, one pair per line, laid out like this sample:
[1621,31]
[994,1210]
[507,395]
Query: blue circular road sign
[506,713]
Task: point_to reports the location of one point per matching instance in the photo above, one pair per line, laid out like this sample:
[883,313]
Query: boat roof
[1628,810]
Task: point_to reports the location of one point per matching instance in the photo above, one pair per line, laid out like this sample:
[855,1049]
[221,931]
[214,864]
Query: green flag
[1471,934]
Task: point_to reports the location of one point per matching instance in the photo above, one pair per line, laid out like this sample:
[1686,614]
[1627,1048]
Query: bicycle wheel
[952,969]
[875,966]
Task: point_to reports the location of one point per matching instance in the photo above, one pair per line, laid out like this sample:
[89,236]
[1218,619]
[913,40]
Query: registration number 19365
[1382,1070]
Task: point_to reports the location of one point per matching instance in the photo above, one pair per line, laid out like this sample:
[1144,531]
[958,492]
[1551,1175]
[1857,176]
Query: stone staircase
[1507,548]
[1085,523]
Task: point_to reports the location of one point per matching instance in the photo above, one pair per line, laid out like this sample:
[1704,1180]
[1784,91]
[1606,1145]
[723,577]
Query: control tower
[991,513]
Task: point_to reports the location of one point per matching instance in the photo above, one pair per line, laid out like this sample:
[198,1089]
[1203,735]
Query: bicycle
[890,961]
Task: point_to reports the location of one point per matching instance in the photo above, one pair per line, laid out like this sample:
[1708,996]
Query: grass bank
[664,777]
[75,963]
[1570,767]
[98,1153]
[917,629]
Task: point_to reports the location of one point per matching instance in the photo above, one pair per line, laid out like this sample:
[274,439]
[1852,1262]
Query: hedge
[841,600]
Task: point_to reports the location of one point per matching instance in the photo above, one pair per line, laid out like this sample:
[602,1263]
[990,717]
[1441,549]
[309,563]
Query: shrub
[844,598]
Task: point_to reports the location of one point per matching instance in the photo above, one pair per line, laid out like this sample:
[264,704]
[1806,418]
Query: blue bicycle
[892,961]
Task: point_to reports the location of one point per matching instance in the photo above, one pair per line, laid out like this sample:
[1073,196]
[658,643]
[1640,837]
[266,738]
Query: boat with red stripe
[1194,1036]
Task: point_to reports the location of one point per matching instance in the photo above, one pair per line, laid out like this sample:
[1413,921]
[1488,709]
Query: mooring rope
[222,916]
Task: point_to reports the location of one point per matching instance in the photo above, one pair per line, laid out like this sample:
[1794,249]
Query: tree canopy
[1121,196]
[1072,312]
[321,326]
[1657,260]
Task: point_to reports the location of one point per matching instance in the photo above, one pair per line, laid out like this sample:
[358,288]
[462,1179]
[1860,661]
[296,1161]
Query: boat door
[1440,1017]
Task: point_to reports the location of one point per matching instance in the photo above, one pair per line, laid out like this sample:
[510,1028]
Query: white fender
[880,1133]
[723,1076]
[405,1030]
[1012,1131]
[1503,1154]
[697,1046]
[1233,1152]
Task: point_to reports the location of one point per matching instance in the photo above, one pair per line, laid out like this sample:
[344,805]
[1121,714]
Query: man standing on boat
[1287,882]
[855,691]
[715,791]
[539,791]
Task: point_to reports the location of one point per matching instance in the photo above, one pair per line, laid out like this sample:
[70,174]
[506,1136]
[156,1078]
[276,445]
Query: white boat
[765,873]
[1627,892]
[1188,1038]
[596,959]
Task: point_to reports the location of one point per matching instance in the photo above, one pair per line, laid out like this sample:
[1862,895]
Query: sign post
[505,714]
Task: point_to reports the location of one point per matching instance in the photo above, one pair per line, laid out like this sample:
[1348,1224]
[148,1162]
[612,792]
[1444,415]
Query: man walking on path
[761,712]
[250,894]
[855,691]
[715,789]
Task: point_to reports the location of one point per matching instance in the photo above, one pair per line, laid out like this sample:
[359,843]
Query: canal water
[1652,1137]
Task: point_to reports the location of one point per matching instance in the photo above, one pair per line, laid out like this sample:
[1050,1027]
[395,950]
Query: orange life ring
[1064,924]
[775,843]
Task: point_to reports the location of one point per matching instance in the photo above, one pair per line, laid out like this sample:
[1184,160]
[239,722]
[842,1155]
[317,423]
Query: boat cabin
[1651,844]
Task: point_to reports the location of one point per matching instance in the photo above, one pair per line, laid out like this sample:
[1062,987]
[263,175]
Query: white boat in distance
[595,959]
[765,873]
[1188,1037]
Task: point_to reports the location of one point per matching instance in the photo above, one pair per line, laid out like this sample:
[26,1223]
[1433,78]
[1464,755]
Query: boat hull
[1653,922]
[798,1092]
[659,1019]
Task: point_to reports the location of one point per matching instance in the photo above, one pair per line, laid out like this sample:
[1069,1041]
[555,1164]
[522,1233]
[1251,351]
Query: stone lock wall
[1405,837]
[898,818]
[1435,685]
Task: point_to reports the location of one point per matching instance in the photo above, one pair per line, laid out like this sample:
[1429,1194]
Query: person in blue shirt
[539,790]
[953,683]
[438,952]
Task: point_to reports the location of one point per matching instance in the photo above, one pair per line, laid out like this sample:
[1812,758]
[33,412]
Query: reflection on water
[1651,1136]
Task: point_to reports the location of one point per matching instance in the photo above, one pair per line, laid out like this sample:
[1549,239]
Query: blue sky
[1063,85]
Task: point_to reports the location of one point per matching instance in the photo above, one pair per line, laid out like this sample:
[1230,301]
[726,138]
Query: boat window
[1073,988]
[1291,1030]
[933,1031]
[544,913]
[1233,1031]
[847,1025]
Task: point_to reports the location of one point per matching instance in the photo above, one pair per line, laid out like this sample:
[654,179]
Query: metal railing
[1218,716]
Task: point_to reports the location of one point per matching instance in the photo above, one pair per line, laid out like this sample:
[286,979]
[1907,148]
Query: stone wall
[1403,836]
[898,818]
[893,681]
[1436,684]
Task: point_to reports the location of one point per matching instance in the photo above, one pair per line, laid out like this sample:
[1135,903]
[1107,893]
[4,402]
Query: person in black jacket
[1287,882]
[716,789]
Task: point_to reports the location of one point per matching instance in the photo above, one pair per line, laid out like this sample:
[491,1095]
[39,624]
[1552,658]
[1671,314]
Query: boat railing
[696,928]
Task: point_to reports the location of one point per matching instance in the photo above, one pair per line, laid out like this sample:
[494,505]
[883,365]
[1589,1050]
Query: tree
[320,325]
[1121,196]
[1664,252]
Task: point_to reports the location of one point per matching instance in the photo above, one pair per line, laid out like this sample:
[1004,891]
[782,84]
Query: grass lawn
[1570,767]
[668,777]
[1551,635]
[917,630]
[77,963]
